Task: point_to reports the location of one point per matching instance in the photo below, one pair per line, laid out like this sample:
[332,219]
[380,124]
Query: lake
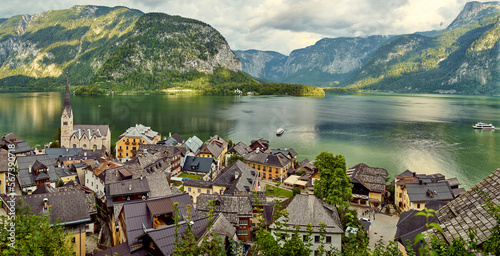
[422,133]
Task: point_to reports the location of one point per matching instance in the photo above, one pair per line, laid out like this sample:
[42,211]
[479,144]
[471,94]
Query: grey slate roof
[69,206]
[197,183]
[128,187]
[278,160]
[215,145]
[233,207]
[246,181]
[137,214]
[27,179]
[372,178]
[141,131]
[305,209]
[178,138]
[198,164]
[469,211]
[158,185]
[239,148]
[194,144]
[90,130]
[433,191]
[287,152]
[59,152]
[169,142]
[164,237]
[4,161]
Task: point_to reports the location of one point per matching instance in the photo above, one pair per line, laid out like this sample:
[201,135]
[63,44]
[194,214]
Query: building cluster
[131,198]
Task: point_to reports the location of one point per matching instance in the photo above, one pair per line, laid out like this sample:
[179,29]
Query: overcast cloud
[283,25]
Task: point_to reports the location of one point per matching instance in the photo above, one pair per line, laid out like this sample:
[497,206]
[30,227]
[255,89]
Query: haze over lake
[422,133]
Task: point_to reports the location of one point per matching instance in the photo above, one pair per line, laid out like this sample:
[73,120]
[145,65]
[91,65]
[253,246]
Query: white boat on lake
[280,131]
[482,125]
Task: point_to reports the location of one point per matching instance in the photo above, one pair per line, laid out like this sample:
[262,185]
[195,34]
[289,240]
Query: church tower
[66,119]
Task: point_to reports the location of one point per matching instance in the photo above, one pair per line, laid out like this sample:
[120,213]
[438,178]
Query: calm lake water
[422,133]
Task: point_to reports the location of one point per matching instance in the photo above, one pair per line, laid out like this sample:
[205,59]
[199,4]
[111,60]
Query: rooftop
[433,191]
[372,178]
[143,132]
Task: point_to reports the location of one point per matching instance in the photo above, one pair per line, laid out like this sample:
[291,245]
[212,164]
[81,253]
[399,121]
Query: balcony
[134,143]
[127,142]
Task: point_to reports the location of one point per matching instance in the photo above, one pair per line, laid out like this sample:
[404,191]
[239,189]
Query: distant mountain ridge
[113,48]
[463,58]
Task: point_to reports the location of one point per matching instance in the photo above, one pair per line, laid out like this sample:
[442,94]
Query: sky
[282,25]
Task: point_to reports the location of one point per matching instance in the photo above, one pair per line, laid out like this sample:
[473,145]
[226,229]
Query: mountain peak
[473,11]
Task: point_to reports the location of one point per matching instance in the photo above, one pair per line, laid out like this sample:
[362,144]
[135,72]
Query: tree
[296,191]
[234,158]
[334,186]
[59,183]
[56,143]
[34,234]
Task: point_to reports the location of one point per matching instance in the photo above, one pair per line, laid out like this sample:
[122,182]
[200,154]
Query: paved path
[383,227]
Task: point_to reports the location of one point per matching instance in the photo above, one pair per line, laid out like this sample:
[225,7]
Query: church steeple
[66,118]
[66,93]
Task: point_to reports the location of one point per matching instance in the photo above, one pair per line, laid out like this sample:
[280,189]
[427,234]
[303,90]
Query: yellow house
[368,184]
[270,166]
[215,148]
[197,187]
[129,142]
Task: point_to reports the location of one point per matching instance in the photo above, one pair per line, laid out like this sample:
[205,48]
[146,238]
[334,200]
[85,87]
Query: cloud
[284,25]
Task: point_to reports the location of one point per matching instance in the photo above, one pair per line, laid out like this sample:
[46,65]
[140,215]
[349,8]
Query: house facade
[215,148]
[308,209]
[129,142]
[271,167]
[368,184]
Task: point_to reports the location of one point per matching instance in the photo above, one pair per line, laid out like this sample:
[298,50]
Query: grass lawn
[191,176]
[278,191]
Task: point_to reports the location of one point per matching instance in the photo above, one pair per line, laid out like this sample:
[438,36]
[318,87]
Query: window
[243,222]
[316,239]
[73,240]
[199,190]
[400,195]
[328,239]
[253,165]
[316,253]
[418,206]
[264,175]
[126,154]
[74,145]
[65,123]
[208,191]
[263,168]
[134,148]
[243,232]
[304,238]
[92,184]
[126,148]
[189,189]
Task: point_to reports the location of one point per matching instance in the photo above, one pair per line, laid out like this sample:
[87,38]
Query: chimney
[169,134]
[145,152]
[67,149]
[257,150]
[420,182]
[29,168]
[130,187]
[45,203]
[413,174]
[84,153]
[236,175]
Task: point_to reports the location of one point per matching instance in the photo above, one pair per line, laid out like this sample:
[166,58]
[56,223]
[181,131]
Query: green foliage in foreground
[334,187]
[34,235]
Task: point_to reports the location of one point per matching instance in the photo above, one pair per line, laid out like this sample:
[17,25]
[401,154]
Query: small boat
[482,125]
[280,131]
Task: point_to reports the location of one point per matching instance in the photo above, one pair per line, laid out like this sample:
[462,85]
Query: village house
[413,191]
[469,211]
[261,144]
[271,167]
[194,144]
[368,184]
[130,140]
[133,217]
[204,166]
[308,209]
[173,154]
[172,140]
[236,178]
[69,208]
[303,177]
[288,152]
[35,170]
[238,149]
[93,137]
[215,148]
[238,211]
[21,147]
[160,241]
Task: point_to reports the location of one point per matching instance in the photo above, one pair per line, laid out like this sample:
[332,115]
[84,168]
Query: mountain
[463,58]
[113,48]
[330,61]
